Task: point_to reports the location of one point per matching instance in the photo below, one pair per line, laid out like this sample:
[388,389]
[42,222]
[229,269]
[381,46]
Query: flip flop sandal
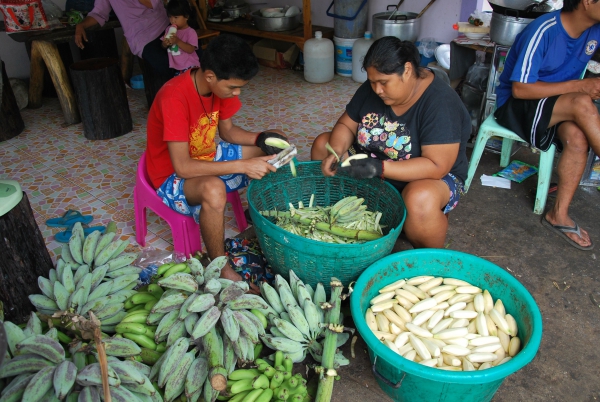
[65,236]
[69,219]
[562,232]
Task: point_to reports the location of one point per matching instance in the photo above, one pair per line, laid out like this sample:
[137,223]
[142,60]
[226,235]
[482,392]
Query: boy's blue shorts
[171,191]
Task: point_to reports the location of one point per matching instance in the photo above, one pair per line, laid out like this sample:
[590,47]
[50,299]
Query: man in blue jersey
[542,99]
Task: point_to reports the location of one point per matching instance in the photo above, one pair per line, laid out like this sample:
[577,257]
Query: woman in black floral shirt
[414,128]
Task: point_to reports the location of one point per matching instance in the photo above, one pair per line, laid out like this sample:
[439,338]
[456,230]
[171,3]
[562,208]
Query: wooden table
[44,53]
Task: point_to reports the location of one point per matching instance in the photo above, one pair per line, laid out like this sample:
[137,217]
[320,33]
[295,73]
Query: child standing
[180,40]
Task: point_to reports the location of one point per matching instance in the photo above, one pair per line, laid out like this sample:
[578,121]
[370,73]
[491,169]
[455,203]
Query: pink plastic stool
[185,230]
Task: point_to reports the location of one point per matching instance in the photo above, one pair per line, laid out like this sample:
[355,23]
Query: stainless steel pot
[404,26]
[276,24]
[238,11]
[505,28]
[542,6]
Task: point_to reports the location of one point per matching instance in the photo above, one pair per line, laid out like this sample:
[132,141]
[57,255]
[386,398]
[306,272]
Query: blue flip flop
[65,236]
[69,219]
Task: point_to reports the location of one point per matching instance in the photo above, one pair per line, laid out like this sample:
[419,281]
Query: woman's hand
[80,36]
[329,165]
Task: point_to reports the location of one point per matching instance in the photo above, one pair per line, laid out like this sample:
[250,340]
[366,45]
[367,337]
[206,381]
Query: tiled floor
[60,169]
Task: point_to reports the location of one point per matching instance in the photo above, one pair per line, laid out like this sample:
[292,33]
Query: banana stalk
[326,227]
[327,369]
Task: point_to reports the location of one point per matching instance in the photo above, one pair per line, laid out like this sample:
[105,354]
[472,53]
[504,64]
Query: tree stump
[100,43]
[23,257]
[153,81]
[11,123]
[102,98]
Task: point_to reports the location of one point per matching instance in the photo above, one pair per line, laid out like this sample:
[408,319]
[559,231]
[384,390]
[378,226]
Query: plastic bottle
[359,50]
[319,59]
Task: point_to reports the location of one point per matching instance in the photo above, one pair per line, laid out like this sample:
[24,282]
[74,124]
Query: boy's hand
[257,168]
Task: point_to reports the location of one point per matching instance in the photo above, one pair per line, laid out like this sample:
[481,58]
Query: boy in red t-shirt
[181,151]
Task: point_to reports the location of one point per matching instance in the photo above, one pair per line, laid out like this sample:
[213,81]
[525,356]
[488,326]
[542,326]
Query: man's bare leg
[570,169]
[210,193]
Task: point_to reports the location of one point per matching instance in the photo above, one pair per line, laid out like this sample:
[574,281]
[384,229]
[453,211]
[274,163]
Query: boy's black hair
[570,5]
[229,56]
[178,8]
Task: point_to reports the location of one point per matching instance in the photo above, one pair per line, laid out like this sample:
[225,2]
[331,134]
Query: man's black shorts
[529,119]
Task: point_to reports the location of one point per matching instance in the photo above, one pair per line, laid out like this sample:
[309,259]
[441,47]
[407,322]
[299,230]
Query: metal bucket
[404,26]
[505,28]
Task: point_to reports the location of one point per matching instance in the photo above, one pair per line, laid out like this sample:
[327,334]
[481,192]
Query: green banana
[89,394]
[126,270]
[165,325]
[195,266]
[179,281]
[190,321]
[150,357]
[90,375]
[127,372]
[244,374]
[176,332]
[254,319]
[297,315]
[230,325]
[247,302]
[39,385]
[213,270]
[65,254]
[108,310]
[46,287]
[155,290]
[124,282]
[175,269]
[176,382]
[242,385]
[196,376]
[15,389]
[247,326]
[101,290]
[183,310]
[120,347]
[213,347]
[285,292]
[89,246]
[122,246]
[164,268]
[98,275]
[121,261]
[169,302]
[43,346]
[206,322]
[254,394]
[14,335]
[142,340]
[142,298]
[156,366]
[175,354]
[80,272]
[212,286]
[288,329]
[67,280]
[265,395]
[52,276]
[319,296]
[282,344]
[76,242]
[201,303]
[132,327]
[64,378]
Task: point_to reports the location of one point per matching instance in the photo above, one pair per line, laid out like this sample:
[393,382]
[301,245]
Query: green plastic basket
[404,380]
[311,260]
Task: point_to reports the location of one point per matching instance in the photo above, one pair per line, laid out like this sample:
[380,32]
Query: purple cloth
[141,24]
[181,60]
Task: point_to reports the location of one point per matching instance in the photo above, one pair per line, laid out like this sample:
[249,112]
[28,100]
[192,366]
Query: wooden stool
[23,253]
[102,98]
[11,123]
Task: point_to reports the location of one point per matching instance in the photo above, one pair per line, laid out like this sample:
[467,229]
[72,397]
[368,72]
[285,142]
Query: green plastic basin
[404,380]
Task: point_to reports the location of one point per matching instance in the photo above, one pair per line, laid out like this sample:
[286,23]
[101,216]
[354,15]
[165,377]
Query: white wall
[436,22]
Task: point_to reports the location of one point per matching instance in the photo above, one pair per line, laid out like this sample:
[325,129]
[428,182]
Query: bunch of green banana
[133,326]
[296,323]
[266,382]
[38,368]
[347,222]
[91,275]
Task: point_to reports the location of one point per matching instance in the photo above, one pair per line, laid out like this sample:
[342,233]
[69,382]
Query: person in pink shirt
[180,40]
[143,22]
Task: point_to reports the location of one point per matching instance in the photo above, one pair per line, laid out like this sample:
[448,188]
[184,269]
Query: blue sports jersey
[544,51]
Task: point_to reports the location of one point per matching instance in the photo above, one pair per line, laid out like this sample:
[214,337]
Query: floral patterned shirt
[438,117]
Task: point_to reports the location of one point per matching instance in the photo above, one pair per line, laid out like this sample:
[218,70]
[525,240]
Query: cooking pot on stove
[541,6]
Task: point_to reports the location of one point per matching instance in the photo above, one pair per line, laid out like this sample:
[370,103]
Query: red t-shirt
[177,115]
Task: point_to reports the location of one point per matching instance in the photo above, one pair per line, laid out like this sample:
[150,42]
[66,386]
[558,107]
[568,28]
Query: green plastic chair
[490,128]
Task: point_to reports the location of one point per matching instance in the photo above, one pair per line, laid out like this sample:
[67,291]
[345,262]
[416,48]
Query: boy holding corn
[191,172]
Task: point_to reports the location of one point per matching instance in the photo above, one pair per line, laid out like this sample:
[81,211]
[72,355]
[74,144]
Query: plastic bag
[483,18]
[149,260]
[477,75]
[427,46]
[53,14]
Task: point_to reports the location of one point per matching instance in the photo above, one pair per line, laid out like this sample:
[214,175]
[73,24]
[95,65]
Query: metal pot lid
[527,5]
[511,12]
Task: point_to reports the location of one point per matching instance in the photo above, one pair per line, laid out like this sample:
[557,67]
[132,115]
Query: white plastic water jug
[359,50]
[319,59]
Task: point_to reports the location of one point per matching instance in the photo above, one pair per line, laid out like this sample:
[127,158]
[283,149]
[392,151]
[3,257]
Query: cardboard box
[276,54]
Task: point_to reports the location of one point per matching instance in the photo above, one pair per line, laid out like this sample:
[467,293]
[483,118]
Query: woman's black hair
[229,56]
[388,55]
